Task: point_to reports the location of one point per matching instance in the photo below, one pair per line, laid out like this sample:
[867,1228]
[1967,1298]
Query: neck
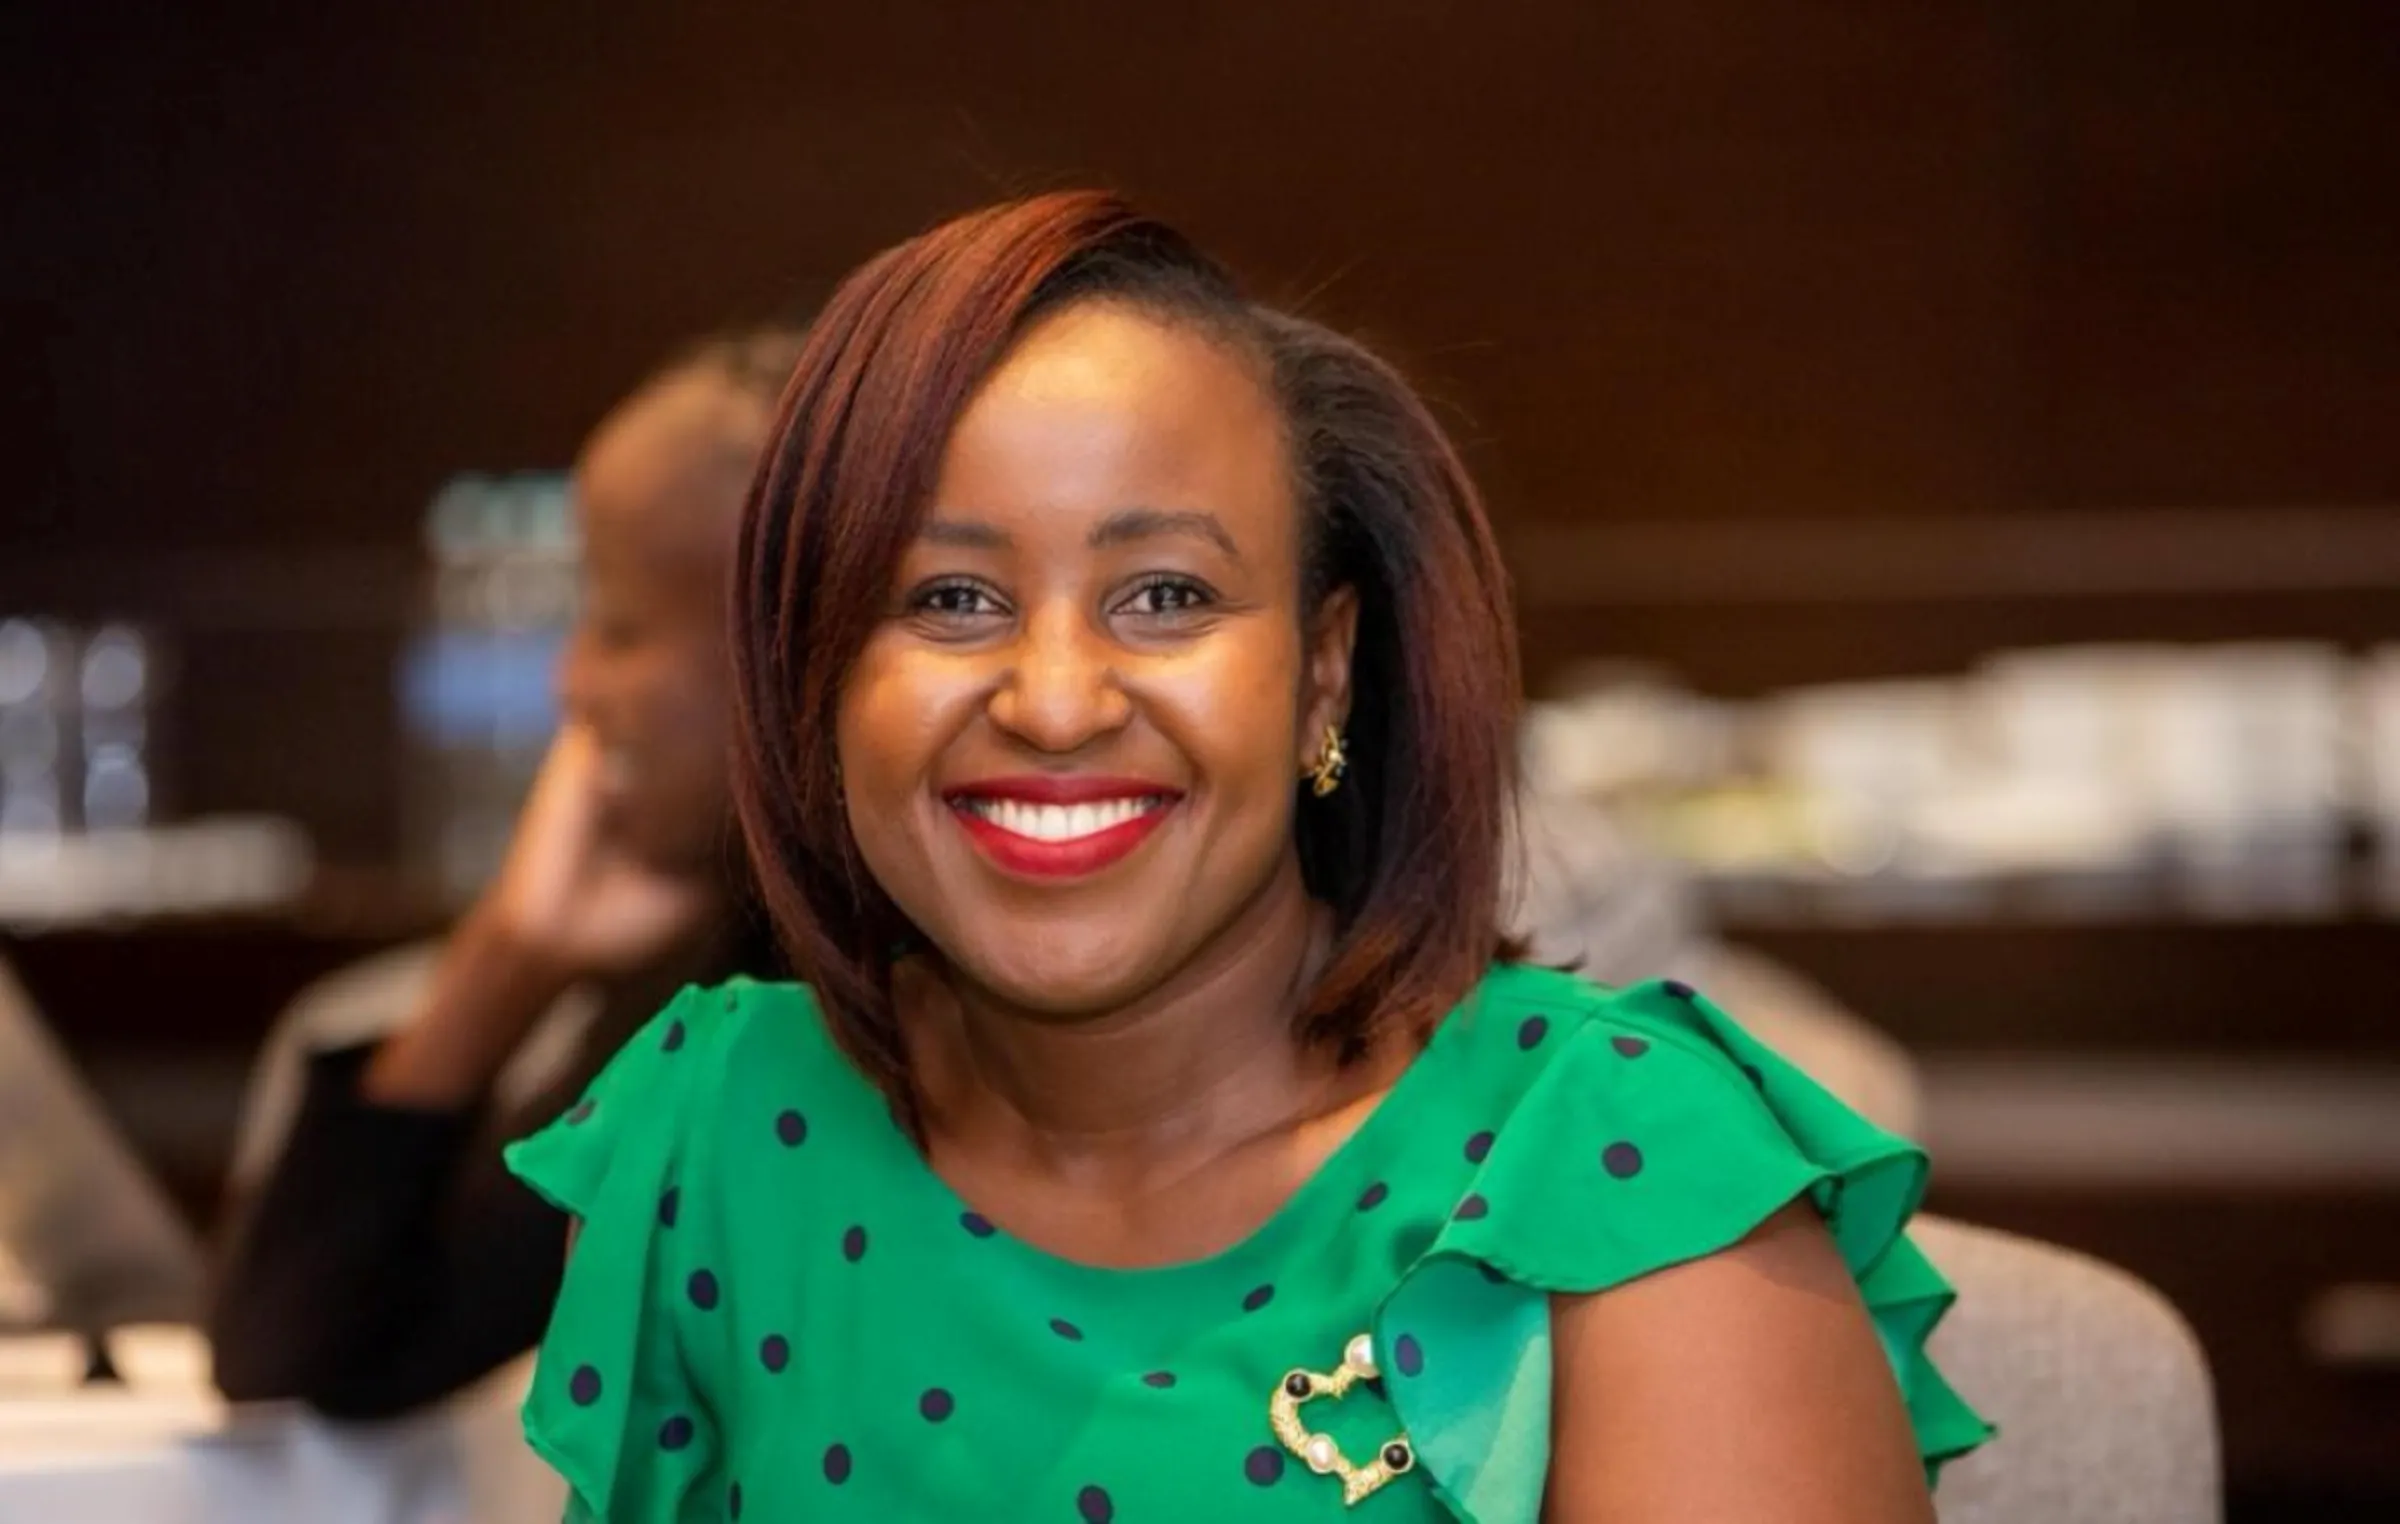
[1200,1064]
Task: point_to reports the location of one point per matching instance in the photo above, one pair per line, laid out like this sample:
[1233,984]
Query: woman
[1125,686]
[388,1258]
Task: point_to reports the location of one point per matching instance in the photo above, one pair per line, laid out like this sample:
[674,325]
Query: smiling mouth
[1059,824]
[1054,839]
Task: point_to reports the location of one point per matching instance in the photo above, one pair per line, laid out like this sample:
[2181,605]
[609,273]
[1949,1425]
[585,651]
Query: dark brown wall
[1691,260]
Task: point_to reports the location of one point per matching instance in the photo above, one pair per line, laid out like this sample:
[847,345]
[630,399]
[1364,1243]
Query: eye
[1167,597]
[954,602]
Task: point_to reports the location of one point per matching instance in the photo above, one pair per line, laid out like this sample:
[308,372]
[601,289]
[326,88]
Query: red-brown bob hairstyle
[1408,852]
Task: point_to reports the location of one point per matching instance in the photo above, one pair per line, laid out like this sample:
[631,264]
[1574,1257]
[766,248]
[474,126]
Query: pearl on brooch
[1359,1355]
[1320,1452]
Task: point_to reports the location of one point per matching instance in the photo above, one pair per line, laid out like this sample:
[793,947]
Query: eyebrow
[1120,528]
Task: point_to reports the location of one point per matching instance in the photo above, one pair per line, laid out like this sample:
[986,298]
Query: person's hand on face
[617,870]
[572,900]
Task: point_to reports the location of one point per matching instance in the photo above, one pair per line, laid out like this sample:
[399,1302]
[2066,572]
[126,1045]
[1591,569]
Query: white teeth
[1060,822]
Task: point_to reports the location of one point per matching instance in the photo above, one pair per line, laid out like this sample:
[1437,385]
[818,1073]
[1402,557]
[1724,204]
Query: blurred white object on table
[161,1448]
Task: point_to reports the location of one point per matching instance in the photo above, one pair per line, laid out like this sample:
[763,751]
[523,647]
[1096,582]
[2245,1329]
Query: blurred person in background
[386,1259]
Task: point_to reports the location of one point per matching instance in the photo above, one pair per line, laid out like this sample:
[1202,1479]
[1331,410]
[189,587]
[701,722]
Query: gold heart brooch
[1318,1452]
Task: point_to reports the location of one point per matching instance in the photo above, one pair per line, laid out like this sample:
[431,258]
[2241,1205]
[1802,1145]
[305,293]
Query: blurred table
[163,1449]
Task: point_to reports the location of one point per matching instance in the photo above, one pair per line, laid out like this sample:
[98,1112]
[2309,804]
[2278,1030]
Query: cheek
[897,712]
[1233,709]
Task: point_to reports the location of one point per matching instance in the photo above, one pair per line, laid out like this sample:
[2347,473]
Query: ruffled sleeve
[612,1407]
[1661,1133]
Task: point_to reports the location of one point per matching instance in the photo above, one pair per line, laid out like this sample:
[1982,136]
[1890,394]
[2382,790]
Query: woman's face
[1071,748]
[658,498]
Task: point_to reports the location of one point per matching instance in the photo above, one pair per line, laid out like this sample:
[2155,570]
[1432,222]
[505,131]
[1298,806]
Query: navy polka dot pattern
[983,1367]
[674,1038]
[1680,990]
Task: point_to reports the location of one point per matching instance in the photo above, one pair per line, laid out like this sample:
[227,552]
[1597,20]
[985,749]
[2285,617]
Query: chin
[1065,975]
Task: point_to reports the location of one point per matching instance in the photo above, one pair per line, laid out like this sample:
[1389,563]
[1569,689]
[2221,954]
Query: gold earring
[1332,762]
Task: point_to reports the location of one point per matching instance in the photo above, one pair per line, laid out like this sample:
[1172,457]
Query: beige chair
[2100,1391]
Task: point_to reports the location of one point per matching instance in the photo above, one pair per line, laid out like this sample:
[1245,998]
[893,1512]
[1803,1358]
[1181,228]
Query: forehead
[661,480]
[1100,408]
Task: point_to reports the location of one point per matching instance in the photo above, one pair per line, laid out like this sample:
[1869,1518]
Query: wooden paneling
[1727,260]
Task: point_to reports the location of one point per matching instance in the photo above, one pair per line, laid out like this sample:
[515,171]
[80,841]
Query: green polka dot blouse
[776,1312]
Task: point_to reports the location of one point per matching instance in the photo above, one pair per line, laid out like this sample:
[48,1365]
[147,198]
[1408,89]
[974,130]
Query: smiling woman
[1126,693]
[1052,443]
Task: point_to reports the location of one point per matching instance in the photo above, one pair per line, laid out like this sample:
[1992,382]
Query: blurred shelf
[2154,1122]
[2126,986]
[2037,556]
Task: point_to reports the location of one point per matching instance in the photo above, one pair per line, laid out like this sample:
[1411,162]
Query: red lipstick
[1059,826]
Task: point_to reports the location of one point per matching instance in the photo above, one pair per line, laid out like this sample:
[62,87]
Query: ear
[1332,639]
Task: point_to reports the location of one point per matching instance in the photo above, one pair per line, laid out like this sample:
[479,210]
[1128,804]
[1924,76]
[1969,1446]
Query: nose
[1060,692]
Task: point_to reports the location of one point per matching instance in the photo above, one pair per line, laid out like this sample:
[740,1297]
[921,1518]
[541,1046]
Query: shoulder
[707,1031]
[1648,1162]
[1560,1021]
[1667,1128]
[655,1096]
[1653,1378]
